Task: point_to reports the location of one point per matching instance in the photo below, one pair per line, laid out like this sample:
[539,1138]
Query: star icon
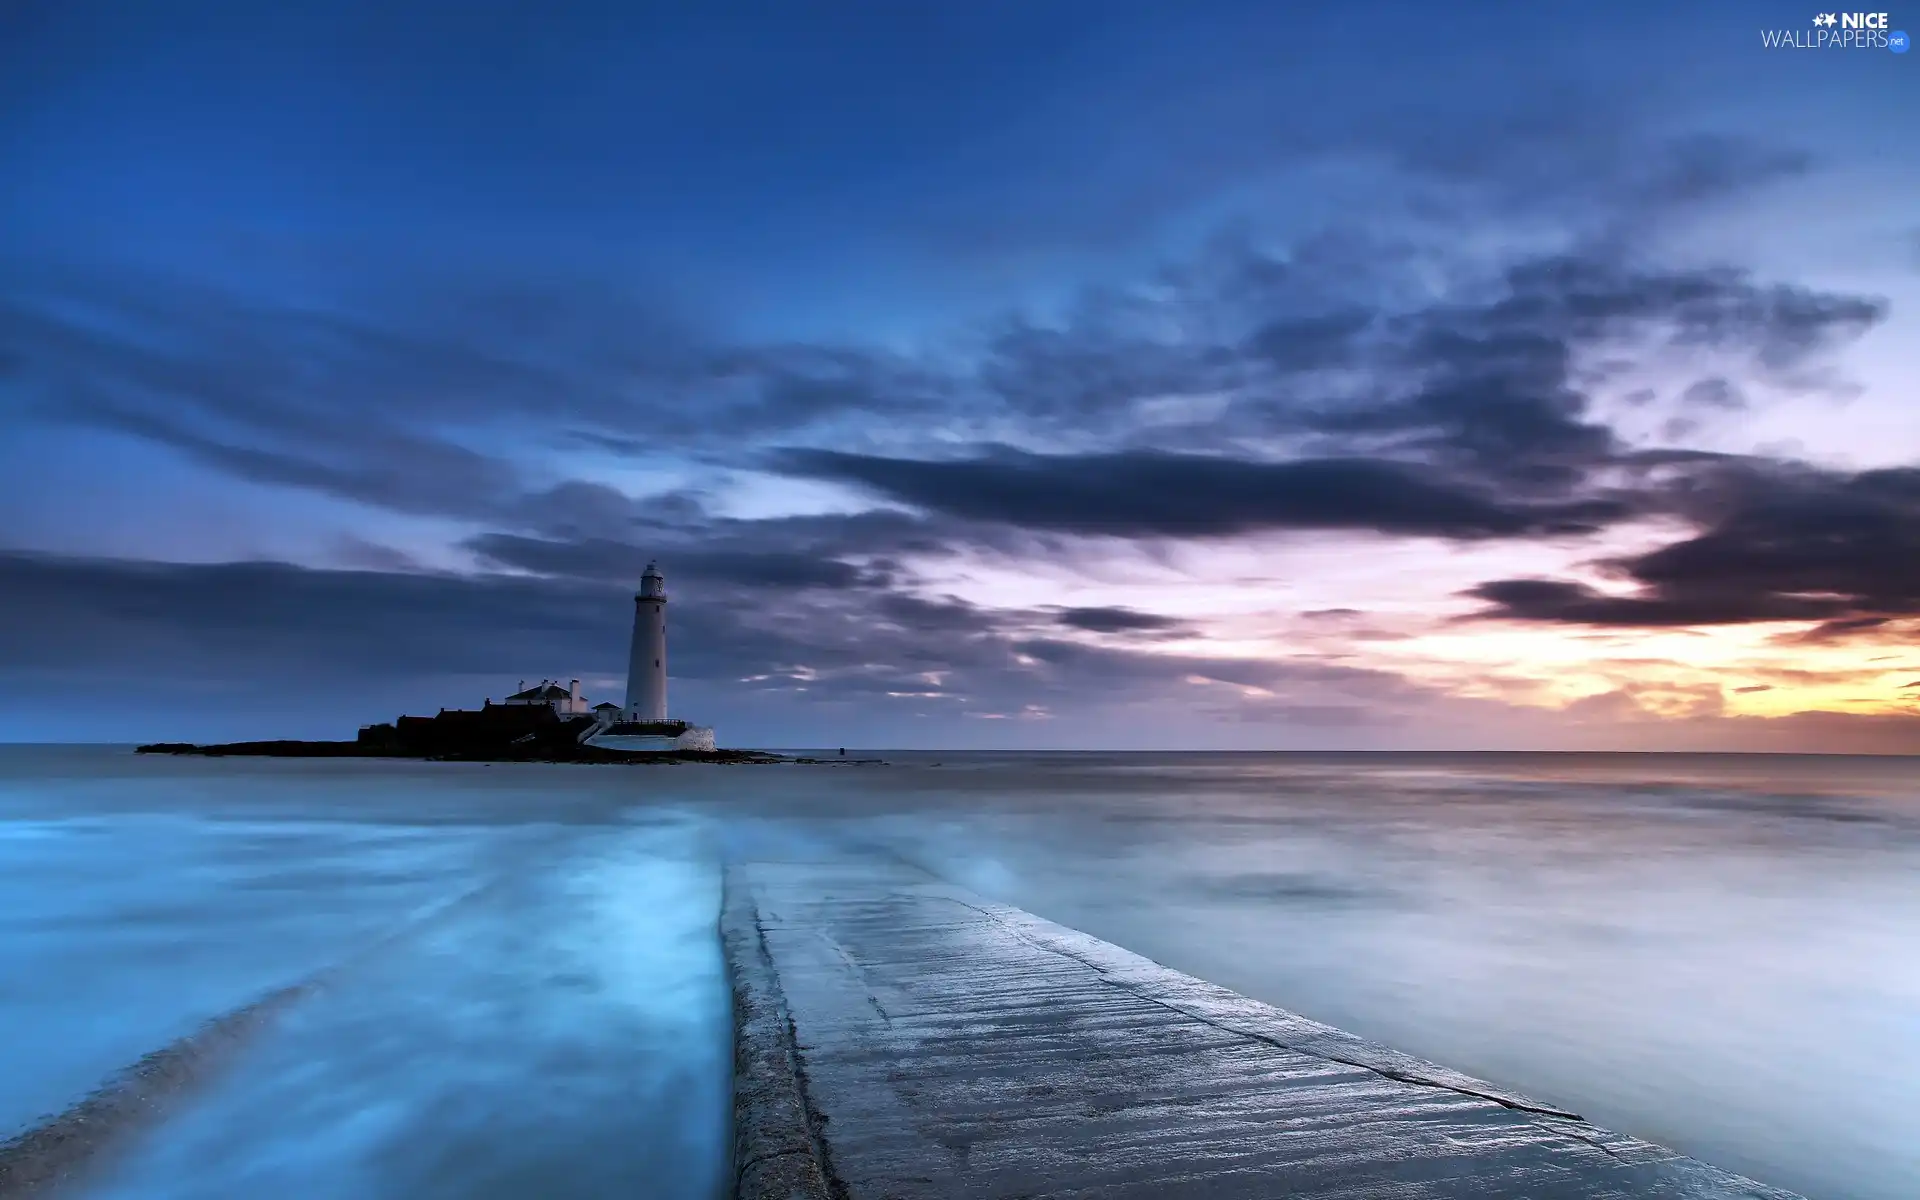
[1825,19]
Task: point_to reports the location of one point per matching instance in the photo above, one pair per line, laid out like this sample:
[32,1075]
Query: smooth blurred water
[1718,953]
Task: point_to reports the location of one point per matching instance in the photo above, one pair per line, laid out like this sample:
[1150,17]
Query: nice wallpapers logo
[1840,31]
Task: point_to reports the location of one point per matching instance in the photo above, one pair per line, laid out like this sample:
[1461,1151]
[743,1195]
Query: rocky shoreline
[547,753]
[497,733]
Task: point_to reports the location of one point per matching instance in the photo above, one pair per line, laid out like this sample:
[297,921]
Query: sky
[1105,375]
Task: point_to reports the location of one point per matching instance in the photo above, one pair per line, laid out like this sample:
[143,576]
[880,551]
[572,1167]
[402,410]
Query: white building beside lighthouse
[647,657]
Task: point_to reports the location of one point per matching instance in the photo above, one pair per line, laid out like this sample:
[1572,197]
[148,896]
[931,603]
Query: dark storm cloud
[1780,544]
[1497,385]
[1494,387]
[1142,494]
[1469,420]
[1307,343]
[401,408]
[1303,390]
[1117,620]
[406,412]
[387,467]
[308,401]
[1293,402]
[297,400]
[1575,603]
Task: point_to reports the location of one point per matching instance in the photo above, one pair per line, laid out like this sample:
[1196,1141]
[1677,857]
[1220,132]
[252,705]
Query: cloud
[1142,494]
[96,622]
[1714,393]
[273,641]
[1699,168]
[1117,620]
[361,554]
[1841,629]
[610,561]
[1499,383]
[1566,157]
[435,402]
[1781,544]
[878,549]
[386,467]
[1297,353]
[1577,603]
[1250,136]
[287,623]
[1282,400]
[1415,324]
[1617,722]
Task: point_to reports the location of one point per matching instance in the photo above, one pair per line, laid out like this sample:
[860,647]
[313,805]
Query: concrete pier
[900,1038]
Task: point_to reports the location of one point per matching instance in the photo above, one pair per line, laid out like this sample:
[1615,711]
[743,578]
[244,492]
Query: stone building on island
[565,701]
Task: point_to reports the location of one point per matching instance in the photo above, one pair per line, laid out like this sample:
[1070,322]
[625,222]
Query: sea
[516,988]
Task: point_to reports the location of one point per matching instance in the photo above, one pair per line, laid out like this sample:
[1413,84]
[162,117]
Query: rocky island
[544,723]
[501,733]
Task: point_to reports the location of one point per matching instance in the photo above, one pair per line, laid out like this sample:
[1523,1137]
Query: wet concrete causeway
[901,1038]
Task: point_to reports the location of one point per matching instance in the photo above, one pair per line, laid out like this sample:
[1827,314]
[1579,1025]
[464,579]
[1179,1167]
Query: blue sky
[984,374]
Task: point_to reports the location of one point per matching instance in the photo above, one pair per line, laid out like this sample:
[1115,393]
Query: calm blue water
[1719,953]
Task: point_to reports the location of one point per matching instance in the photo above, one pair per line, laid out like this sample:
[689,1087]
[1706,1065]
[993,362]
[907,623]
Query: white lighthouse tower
[647,660]
[643,725]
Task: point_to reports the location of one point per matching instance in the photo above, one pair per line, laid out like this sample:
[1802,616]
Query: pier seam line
[758,996]
[814,1118]
[797,1068]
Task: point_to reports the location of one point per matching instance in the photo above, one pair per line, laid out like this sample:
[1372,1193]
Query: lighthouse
[647,659]
[643,726]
